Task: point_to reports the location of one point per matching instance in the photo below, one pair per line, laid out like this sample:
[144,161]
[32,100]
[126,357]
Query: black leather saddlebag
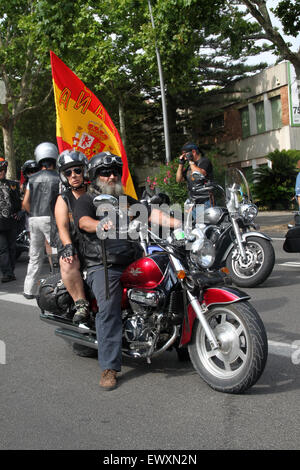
[292,240]
[53,297]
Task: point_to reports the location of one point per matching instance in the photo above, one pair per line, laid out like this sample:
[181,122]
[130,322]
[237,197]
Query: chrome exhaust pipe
[71,333]
[77,337]
[55,320]
[168,343]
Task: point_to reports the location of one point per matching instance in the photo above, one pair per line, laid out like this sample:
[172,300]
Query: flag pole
[162,89]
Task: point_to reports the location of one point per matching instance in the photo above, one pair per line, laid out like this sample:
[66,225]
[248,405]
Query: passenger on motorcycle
[72,168]
[105,171]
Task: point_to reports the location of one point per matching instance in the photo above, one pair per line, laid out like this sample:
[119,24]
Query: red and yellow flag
[82,122]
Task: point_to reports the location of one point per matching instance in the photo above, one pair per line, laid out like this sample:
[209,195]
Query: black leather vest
[118,252]
[43,187]
[10,202]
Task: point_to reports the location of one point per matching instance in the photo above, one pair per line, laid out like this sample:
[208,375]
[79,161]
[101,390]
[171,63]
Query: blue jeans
[205,205]
[108,317]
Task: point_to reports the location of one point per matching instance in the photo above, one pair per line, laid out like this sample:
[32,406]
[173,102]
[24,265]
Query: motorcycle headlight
[202,253]
[248,212]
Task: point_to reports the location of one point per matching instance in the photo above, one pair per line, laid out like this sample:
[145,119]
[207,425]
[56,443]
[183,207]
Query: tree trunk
[122,123]
[9,151]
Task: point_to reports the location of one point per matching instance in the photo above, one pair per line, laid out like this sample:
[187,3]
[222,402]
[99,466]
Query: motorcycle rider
[40,193]
[28,168]
[10,205]
[197,163]
[105,171]
[72,167]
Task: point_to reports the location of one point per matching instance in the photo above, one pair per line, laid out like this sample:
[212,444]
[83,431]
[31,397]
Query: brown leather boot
[108,379]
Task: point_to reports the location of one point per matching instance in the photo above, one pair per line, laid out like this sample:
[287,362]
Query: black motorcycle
[247,253]
[23,239]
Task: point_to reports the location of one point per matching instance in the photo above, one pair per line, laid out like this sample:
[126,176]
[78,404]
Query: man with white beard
[105,171]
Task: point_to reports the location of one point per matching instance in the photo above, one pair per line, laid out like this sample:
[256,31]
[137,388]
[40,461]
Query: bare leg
[49,254]
[72,279]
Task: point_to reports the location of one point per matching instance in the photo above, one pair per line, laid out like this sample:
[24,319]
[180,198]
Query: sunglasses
[107,173]
[77,171]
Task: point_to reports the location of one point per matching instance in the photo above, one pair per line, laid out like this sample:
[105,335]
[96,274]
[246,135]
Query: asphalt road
[50,398]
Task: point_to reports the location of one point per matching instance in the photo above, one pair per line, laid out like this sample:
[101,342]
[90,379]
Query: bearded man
[105,171]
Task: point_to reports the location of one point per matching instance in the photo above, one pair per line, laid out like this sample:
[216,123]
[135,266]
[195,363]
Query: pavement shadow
[267,305]
[166,364]
[279,376]
[281,335]
[279,278]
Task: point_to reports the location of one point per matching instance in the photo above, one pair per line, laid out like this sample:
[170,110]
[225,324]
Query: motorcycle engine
[140,321]
[213,233]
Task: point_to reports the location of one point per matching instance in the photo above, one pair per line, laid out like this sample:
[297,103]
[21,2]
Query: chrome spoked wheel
[251,265]
[256,267]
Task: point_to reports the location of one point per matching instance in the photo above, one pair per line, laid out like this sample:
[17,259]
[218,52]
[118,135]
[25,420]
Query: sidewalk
[275,223]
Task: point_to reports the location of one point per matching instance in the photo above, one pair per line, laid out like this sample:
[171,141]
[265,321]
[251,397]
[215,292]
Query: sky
[267,56]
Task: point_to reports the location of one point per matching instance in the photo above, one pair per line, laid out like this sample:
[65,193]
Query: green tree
[288,13]
[274,187]
[28,29]
[110,45]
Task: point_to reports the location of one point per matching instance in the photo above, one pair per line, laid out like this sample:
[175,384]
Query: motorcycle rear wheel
[259,263]
[241,358]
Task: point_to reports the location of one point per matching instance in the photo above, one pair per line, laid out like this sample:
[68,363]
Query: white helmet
[46,151]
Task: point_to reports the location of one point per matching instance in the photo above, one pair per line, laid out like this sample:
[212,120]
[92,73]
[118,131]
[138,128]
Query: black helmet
[68,159]
[189,146]
[3,163]
[30,166]
[104,161]
[46,151]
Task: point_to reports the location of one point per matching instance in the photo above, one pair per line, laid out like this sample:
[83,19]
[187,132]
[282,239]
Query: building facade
[262,115]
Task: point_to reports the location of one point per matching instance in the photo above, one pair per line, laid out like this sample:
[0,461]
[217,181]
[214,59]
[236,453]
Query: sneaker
[8,278]
[108,379]
[28,296]
[82,313]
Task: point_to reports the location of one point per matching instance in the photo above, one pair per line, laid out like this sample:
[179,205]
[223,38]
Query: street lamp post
[162,90]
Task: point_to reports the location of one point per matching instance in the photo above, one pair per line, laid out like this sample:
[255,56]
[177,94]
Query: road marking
[290,264]
[282,349]
[17,299]
[275,347]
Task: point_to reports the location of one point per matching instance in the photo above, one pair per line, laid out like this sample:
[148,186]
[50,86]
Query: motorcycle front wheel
[243,348]
[258,265]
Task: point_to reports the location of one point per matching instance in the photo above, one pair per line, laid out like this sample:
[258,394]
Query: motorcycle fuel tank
[147,272]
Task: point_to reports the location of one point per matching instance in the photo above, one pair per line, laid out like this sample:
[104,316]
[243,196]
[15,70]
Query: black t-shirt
[203,163]
[84,207]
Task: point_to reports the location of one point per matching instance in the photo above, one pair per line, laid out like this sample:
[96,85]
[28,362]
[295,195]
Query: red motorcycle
[172,300]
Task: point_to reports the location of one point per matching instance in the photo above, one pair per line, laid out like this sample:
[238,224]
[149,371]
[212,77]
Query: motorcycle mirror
[198,176]
[106,199]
